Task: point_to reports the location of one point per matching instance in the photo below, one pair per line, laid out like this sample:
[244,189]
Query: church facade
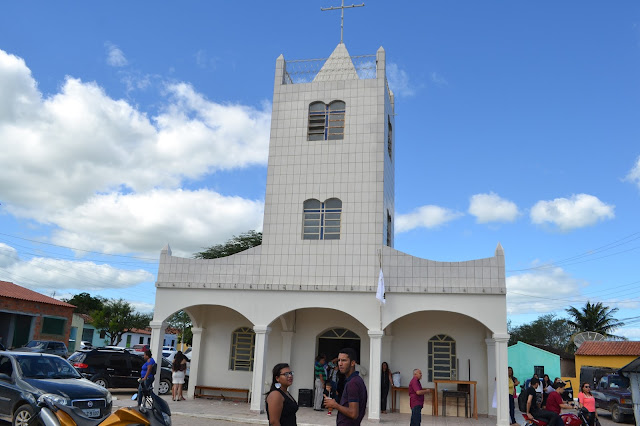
[327,232]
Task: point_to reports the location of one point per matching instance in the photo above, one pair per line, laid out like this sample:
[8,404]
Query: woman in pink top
[588,401]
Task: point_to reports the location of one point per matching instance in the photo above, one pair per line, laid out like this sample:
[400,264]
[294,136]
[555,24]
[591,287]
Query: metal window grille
[242,349]
[321,221]
[442,358]
[326,122]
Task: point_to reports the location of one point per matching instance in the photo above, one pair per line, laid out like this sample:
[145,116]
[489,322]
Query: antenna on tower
[587,336]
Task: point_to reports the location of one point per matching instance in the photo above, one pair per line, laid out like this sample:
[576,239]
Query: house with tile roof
[27,315]
[612,354]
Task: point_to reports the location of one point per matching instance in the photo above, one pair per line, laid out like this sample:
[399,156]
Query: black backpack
[522,402]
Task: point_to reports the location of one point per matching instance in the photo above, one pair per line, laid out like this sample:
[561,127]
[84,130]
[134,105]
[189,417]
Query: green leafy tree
[116,318]
[86,303]
[595,317]
[181,321]
[235,245]
[545,330]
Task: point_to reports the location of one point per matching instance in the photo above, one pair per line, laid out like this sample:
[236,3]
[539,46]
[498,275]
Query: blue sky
[125,126]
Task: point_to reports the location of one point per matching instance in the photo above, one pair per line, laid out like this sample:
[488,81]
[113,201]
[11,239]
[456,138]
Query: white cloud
[634,174]
[438,80]
[115,56]
[80,153]
[491,208]
[425,217]
[570,213]
[540,291]
[58,274]
[144,223]
[399,81]
[8,256]
[630,333]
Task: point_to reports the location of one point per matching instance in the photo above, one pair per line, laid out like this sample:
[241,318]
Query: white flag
[380,292]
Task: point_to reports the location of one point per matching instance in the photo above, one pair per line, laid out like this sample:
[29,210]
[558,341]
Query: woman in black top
[386,381]
[281,407]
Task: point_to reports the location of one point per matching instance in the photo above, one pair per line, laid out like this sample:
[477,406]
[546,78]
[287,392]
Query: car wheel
[616,415]
[165,387]
[23,416]
[100,381]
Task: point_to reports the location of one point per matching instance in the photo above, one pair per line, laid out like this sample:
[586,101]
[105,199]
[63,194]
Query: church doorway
[331,341]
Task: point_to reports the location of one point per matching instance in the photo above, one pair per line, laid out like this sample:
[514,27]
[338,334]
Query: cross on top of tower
[342,8]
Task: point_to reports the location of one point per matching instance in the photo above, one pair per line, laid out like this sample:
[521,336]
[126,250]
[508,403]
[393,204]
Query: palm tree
[595,317]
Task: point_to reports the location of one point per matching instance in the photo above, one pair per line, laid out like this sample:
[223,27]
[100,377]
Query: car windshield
[37,344]
[49,367]
[618,382]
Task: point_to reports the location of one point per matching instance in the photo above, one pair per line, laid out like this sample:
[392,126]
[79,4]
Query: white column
[157,335]
[491,374]
[287,339]
[375,360]
[196,345]
[259,367]
[502,380]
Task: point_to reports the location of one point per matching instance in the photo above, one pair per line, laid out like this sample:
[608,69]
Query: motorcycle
[152,411]
[568,419]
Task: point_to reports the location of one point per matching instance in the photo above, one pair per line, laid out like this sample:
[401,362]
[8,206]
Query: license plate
[94,412]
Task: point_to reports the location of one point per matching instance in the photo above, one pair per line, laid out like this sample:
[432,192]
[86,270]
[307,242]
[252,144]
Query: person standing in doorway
[320,375]
[416,397]
[513,382]
[385,381]
[353,402]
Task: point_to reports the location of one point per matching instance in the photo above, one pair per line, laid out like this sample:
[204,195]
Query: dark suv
[112,368]
[25,377]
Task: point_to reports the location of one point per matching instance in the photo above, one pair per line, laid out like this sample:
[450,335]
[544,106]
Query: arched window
[326,122]
[243,342]
[442,358]
[321,221]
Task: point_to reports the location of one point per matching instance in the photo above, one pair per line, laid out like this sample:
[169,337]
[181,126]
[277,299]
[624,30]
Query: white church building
[328,230]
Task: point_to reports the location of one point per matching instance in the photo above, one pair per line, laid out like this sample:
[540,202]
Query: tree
[235,245]
[182,321]
[85,303]
[116,318]
[595,317]
[546,330]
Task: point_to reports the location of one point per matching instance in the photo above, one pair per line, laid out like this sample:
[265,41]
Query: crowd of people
[544,400]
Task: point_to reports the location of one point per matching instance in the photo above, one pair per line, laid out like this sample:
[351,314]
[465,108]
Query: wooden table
[458,382]
[395,390]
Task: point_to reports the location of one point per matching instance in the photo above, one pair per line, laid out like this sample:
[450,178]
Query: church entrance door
[331,341]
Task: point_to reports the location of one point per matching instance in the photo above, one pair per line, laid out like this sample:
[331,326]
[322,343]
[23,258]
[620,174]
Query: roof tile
[14,291]
[609,348]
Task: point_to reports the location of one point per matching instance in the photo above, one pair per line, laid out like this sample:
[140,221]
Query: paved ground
[209,412]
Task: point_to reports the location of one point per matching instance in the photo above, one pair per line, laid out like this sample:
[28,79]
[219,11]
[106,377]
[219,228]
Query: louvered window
[242,348]
[326,122]
[442,358]
[321,221]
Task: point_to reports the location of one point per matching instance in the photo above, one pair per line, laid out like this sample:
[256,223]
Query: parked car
[168,351]
[45,347]
[84,344]
[139,348]
[25,377]
[111,368]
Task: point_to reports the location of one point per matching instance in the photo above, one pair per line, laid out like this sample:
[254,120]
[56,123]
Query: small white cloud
[203,60]
[425,217]
[399,81]
[630,333]
[539,291]
[8,256]
[571,213]
[438,80]
[492,208]
[115,56]
[634,174]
